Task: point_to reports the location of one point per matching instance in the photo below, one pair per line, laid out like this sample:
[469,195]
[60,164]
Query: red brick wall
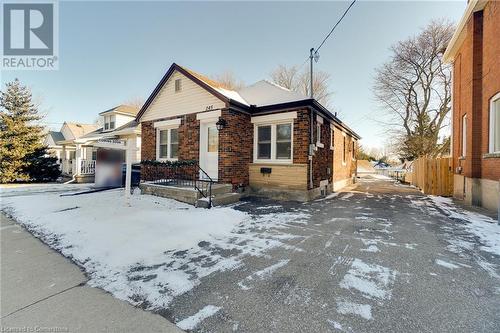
[301,137]
[490,167]
[235,148]
[188,138]
[475,80]
[323,157]
[342,171]
[148,141]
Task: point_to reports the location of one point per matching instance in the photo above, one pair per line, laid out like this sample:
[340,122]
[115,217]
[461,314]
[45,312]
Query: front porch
[185,181]
[83,171]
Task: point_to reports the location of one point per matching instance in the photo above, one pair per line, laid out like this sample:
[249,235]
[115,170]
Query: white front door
[209,150]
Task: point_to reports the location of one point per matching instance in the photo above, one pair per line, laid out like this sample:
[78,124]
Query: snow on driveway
[468,230]
[151,250]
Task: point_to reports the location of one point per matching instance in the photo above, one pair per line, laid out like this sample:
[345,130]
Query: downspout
[311,148]
[311,128]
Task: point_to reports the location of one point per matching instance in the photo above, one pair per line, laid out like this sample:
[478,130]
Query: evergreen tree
[40,166]
[21,137]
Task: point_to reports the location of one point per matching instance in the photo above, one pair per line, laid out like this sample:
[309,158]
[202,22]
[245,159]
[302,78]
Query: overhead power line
[335,26]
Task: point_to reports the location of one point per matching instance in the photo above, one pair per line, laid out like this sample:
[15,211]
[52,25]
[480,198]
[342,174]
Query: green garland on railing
[169,163]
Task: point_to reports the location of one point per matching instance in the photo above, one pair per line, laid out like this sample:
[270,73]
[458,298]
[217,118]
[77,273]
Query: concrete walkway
[42,289]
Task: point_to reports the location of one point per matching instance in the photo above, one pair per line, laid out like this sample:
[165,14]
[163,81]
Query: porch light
[221,123]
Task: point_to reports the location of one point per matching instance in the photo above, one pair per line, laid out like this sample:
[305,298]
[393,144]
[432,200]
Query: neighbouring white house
[61,144]
[50,141]
[115,127]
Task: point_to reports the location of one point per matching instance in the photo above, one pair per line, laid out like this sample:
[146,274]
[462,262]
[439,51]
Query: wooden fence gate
[433,175]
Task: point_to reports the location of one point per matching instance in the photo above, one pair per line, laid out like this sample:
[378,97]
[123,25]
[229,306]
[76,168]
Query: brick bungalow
[271,141]
[475,52]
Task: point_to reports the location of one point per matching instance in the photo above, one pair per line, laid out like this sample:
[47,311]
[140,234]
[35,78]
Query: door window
[213,140]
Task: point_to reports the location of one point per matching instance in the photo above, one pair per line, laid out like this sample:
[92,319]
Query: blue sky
[111,52]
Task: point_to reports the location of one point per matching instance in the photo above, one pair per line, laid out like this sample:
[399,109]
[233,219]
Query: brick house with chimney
[474,51]
[263,139]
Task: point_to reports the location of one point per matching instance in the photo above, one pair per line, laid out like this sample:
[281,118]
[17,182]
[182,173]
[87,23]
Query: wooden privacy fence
[432,175]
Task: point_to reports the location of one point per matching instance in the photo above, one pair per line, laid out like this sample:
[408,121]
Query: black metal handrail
[180,176]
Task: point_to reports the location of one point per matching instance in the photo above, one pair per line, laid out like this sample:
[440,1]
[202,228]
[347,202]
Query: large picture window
[167,144]
[495,124]
[274,142]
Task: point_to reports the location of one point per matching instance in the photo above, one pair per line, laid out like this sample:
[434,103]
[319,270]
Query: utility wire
[336,24]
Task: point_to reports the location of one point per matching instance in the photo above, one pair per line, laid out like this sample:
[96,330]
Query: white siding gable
[191,99]
[49,141]
[68,135]
[120,120]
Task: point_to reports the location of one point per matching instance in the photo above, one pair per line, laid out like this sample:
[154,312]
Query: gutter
[458,36]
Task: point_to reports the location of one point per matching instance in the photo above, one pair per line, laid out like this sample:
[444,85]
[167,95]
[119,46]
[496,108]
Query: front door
[209,150]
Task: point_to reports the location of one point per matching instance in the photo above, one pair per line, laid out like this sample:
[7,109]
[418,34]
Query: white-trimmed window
[353,156]
[332,137]
[168,144]
[464,135]
[344,148]
[109,122]
[495,124]
[273,138]
[167,140]
[274,142]
[319,122]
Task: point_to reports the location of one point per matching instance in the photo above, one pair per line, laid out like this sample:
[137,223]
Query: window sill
[320,145]
[167,159]
[279,162]
[492,155]
[461,158]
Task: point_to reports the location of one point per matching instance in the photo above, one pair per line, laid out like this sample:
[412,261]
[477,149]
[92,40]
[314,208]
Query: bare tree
[135,102]
[287,77]
[229,80]
[414,87]
[293,79]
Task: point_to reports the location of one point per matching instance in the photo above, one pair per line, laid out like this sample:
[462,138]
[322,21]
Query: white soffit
[168,123]
[275,117]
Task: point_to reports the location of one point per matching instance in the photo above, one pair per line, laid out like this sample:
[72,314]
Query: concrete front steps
[221,194]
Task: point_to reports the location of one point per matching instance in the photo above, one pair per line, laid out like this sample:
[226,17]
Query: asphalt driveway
[379,258]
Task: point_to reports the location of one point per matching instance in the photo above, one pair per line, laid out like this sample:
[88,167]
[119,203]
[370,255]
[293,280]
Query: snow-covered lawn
[151,250]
